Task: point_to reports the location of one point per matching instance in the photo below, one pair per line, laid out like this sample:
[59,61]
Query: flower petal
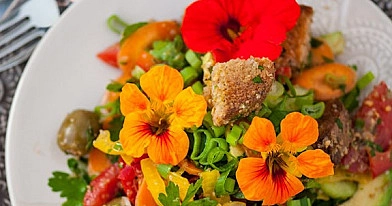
[268,36]
[284,11]
[162,83]
[253,178]
[189,108]
[205,25]
[315,164]
[136,135]
[170,147]
[256,182]
[298,131]
[132,99]
[197,16]
[261,135]
[285,185]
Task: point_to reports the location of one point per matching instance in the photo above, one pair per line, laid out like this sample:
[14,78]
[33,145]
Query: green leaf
[71,186]
[257,80]
[172,197]
[192,190]
[114,87]
[130,29]
[205,202]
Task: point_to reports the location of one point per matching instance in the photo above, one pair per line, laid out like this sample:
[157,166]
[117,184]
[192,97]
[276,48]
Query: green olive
[78,130]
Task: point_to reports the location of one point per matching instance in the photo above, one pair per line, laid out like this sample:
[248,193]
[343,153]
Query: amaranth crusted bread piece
[238,88]
[296,47]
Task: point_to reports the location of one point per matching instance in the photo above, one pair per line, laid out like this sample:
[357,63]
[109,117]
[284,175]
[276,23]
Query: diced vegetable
[193,59]
[109,55]
[116,24]
[197,87]
[299,202]
[315,110]
[189,74]
[170,52]
[103,188]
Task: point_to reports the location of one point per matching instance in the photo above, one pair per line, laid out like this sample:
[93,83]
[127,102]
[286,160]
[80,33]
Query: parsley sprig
[71,186]
[172,196]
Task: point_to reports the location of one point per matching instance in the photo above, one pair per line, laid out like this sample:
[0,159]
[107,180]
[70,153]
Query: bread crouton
[238,88]
[296,47]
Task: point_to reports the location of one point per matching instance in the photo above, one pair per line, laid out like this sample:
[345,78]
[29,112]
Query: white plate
[64,74]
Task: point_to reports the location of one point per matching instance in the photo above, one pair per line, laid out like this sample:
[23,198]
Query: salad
[230,106]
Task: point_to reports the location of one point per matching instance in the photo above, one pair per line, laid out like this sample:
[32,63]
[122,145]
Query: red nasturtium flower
[239,28]
[155,123]
[273,177]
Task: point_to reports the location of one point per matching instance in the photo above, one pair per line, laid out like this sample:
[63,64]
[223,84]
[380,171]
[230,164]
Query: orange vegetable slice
[143,196]
[141,39]
[329,81]
[97,161]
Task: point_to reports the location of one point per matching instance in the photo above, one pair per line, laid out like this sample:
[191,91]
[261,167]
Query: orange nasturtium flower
[155,123]
[274,177]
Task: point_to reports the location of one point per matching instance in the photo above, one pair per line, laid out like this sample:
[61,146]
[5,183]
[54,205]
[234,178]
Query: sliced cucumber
[340,189]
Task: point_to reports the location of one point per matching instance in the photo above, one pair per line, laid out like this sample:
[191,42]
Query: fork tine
[14,29]
[18,58]
[20,50]
[22,40]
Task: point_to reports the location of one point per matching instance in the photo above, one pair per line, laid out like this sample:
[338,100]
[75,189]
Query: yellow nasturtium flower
[155,120]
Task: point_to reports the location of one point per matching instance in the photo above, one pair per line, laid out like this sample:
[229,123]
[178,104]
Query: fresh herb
[130,29]
[257,80]
[374,147]
[355,67]
[71,186]
[90,138]
[327,60]
[260,67]
[314,43]
[114,87]
[339,123]
[350,100]
[115,127]
[172,197]
[359,123]
[119,26]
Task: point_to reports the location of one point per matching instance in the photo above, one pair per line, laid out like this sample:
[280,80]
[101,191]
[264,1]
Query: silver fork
[21,31]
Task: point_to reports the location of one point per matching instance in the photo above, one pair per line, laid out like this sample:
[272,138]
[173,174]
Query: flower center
[231,30]
[159,118]
[160,126]
[276,164]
